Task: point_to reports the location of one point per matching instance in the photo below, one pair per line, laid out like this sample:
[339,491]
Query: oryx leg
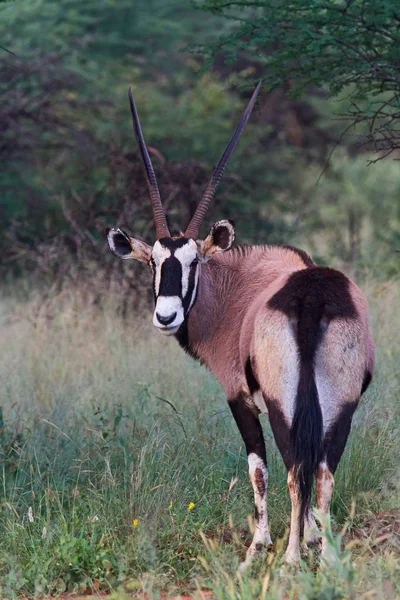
[250,428]
[334,444]
[311,531]
[325,485]
[293,549]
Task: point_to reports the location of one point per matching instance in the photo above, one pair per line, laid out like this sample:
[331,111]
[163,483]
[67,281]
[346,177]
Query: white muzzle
[168,315]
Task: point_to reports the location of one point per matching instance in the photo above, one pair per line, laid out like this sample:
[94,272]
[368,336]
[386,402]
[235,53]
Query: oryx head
[175,261]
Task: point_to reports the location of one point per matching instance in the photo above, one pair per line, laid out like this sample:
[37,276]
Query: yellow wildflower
[191,506]
[135,522]
[170,506]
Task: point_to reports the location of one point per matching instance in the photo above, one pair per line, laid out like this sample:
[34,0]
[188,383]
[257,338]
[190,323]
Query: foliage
[350,219]
[350,47]
[99,473]
[70,167]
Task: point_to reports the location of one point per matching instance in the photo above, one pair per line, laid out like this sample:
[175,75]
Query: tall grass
[110,434]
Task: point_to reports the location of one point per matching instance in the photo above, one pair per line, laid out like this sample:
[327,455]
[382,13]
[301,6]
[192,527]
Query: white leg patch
[259,478]
[293,550]
[325,485]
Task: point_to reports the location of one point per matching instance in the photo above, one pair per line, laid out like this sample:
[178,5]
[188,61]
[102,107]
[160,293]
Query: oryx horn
[158,211]
[193,228]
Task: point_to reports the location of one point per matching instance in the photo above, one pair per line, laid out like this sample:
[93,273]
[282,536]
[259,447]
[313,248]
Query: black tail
[306,434]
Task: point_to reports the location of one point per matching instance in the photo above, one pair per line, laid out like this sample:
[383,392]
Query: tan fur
[230,321]
[232,288]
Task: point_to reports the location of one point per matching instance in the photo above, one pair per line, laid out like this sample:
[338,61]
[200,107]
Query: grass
[109,435]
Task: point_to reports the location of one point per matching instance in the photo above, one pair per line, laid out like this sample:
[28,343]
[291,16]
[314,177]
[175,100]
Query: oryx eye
[195,261]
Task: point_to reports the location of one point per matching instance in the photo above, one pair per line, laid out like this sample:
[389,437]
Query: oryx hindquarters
[313,357]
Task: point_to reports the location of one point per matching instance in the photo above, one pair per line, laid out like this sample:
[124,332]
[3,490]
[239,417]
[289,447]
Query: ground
[122,470]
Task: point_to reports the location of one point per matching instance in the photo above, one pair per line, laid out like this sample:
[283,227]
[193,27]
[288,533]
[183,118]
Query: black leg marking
[281,431]
[366,382]
[251,431]
[251,379]
[249,426]
[336,437]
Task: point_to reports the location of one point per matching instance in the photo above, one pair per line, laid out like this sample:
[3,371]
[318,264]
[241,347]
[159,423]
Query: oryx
[282,335]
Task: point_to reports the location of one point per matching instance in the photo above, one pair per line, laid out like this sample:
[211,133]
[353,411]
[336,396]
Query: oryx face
[175,262]
[175,265]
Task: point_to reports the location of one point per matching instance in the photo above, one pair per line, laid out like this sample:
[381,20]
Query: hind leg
[325,485]
[281,432]
[334,445]
[311,532]
[293,550]
[311,535]
[252,434]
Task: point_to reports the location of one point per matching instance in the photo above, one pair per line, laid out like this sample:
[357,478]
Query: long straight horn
[194,226]
[158,211]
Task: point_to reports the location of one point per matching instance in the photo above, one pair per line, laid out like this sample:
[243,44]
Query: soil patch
[380,532]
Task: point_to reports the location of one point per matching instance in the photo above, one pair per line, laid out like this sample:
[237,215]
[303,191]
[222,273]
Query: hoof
[292,558]
[314,541]
[328,558]
[244,566]
[255,551]
[312,535]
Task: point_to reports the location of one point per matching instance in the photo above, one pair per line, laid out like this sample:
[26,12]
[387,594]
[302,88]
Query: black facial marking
[171,274]
[171,278]
[171,269]
[173,245]
[171,283]
[166,320]
[153,270]
[188,298]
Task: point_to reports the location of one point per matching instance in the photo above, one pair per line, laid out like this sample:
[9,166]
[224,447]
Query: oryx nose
[165,320]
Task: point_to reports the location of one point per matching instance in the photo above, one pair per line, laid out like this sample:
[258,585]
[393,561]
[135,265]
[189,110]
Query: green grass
[107,425]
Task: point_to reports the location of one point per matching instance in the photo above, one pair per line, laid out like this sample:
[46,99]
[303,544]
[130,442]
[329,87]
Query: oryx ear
[123,246]
[220,239]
